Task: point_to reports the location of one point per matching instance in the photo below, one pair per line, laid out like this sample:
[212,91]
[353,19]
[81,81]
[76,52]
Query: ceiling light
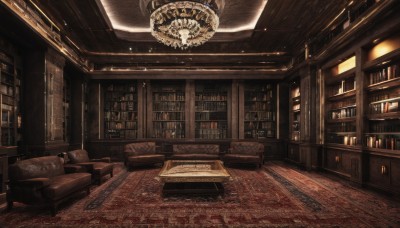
[183,24]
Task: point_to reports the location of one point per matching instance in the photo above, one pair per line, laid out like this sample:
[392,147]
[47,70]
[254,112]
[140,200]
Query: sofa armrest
[34,183]
[73,168]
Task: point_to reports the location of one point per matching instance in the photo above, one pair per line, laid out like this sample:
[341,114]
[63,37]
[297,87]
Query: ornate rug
[276,195]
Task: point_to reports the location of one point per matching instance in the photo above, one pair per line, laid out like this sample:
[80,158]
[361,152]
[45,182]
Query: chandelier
[183,24]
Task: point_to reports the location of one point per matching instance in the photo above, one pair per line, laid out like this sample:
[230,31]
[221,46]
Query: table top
[193,171]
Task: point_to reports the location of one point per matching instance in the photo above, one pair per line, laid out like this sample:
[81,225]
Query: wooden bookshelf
[211,110]
[383,99]
[340,104]
[9,98]
[168,110]
[259,110]
[294,111]
[120,111]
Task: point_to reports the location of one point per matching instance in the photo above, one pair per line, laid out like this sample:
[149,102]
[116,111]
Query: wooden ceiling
[280,33]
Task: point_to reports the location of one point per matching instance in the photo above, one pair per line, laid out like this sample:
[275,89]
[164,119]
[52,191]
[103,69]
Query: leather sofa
[42,180]
[97,167]
[245,152]
[195,152]
[141,153]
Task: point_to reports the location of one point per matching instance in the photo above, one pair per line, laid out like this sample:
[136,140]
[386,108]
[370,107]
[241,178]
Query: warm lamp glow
[384,47]
[347,65]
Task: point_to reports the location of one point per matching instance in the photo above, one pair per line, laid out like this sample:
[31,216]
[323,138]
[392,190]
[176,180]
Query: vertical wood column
[240,110]
[94,110]
[77,110]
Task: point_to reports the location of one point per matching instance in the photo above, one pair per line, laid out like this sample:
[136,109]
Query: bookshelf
[383,98]
[211,110]
[259,110]
[9,95]
[340,104]
[168,110]
[295,111]
[120,111]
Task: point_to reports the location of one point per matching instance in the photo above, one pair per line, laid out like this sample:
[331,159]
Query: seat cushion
[102,168]
[241,158]
[146,159]
[63,185]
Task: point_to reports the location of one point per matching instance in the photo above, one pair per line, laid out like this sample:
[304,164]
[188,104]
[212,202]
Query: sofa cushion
[146,159]
[196,149]
[78,156]
[246,148]
[140,148]
[48,166]
[63,185]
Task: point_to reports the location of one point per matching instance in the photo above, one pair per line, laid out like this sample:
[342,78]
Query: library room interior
[200,113]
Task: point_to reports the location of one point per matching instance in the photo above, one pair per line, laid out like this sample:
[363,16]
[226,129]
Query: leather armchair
[245,152]
[142,153]
[97,167]
[43,180]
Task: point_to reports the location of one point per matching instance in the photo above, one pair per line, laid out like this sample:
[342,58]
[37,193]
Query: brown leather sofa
[42,180]
[97,167]
[245,152]
[142,153]
[195,152]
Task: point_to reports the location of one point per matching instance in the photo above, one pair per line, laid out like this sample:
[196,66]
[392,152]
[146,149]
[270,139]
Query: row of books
[384,107]
[259,116]
[343,103]
[258,125]
[121,106]
[122,88]
[258,106]
[169,133]
[212,125]
[258,87]
[384,142]
[6,68]
[385,126]
[343,87]
[169,96]
[8,100]
[115,125]
[120,116]
[217,106]
[168,116]
[7,90]
[8,79]
[168,125]
[258,133]
[340,139]
[343,113]
[211,133]
[342,127]
[384,74]
[251,96]
[128,134]
[120,97]
[168,106]
[210,116]
[211,96]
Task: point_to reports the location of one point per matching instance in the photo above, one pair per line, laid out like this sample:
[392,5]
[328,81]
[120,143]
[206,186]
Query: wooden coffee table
[197,177]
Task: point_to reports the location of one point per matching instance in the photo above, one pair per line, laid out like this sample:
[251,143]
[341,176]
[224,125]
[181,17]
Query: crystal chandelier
[183,24]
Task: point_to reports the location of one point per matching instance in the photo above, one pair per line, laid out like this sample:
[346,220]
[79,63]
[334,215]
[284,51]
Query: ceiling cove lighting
[183,24]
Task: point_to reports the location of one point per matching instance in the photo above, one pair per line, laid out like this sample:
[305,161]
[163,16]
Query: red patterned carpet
[275,196]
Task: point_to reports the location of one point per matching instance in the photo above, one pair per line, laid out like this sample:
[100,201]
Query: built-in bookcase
[295,111]
[211,110]
[168,110]
[120,111]
[383,89]
[259,110]
[10,83]
[340,103]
